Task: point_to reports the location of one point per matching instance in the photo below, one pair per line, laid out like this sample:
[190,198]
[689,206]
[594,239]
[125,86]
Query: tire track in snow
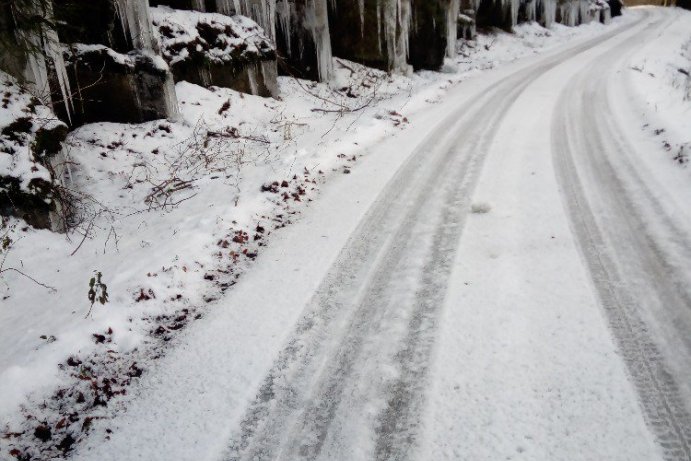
[629,268]
[410,234]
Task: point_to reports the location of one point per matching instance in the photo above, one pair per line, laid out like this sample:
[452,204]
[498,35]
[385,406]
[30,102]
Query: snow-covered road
[500,281]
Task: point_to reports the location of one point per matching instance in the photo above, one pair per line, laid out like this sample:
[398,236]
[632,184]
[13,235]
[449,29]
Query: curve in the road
[629,266]
[377,309]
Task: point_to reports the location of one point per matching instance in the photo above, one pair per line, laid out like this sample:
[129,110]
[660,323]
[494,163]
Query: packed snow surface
[427,289]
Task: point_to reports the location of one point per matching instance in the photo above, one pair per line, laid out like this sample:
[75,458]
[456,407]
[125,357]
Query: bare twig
[12,269]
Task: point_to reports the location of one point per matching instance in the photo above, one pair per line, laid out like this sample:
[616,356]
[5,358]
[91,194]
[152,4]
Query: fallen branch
[12,269]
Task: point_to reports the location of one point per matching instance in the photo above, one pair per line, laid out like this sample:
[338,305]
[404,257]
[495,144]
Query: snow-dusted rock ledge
[213,49]
[30,135]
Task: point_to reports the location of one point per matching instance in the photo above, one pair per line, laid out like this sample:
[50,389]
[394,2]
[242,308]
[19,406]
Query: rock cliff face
[616,5]
[215,46]
[117,60]
[433,32]
[303,39]
[30,139]
[111,57]
[372,32]
[214,49]
[31,51]
[497,13]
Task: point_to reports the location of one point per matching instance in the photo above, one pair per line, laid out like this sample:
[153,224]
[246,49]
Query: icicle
[54,53]
[398,33]
[549,12]
[514,7]
[36,71]
[318,21]
[252,77]
[452,28]
[205,76]
[270,10]
[136,21]
[284,19]
[263,12]
[380,13]
[269,73]
[584,11]
[531,10]
[135,18]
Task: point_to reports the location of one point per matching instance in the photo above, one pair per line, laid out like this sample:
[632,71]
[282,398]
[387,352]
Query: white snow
[16,157]
[234,34]
[314,128]
[663,87]
[544,377]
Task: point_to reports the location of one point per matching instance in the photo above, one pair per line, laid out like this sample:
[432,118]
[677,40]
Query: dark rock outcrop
[497,13]
[112,62]
[115,87]
[616,5]
[432,33]
[372,32]
[30,137]
[303,39]
[467,28]
[213,49]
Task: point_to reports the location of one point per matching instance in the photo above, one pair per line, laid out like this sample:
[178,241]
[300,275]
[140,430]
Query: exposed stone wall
[213,49]
[115,72]
[13,59]
[263,12]
[429,33]
[372,32]
[467,19]
[303,39]
[30,137]
[497,13]
[615,7]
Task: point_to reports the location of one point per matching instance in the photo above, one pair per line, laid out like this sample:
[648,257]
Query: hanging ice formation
[397,17]
[135,18]
[452,27]
[530,10]
[433,32]
[262,11]
[543,11]
[586,14]
[136,23]
[217,50]
[548,11]
[569,11]
[383,26]
[44,52]
[303,28]
[512,6]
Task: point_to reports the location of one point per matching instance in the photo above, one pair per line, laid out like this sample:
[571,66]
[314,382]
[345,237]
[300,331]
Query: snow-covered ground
[175,212]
